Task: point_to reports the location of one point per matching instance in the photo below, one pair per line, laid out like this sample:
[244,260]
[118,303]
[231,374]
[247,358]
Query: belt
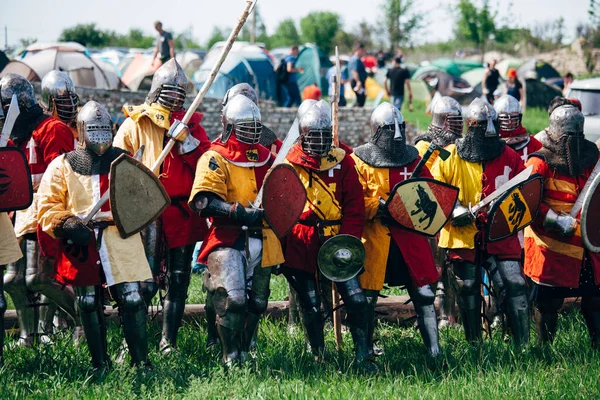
[320,222]
[101,226]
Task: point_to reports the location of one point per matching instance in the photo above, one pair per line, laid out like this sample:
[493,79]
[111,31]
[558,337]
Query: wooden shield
[422,205]
[590,217]
[515,209]
[284,199]
[16,190]
[137,198]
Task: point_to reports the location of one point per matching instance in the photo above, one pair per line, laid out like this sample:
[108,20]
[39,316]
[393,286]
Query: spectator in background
[165,47]
[397,77]
[514,86]
[380,59]
[491,80]
[569,78]
[331,72]
[358,75]
[312,91]
[291,85]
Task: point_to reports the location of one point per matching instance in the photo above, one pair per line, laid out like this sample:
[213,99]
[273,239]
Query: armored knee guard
[590,308]
[423,299]
[132,310]
[546,315]
[467,285]
[89,303]
[23,299]
[516,302]
[356,306]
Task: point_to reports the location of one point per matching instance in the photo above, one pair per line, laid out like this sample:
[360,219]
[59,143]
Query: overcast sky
[45,19]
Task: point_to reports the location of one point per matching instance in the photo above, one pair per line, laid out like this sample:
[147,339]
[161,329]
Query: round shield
[16,190]
[341,258]
[590,215]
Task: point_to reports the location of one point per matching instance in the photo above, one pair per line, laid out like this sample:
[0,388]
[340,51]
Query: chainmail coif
[438,136]
[571,155]
[86,162]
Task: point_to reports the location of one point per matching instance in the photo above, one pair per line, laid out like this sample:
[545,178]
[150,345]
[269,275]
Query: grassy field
[283,369]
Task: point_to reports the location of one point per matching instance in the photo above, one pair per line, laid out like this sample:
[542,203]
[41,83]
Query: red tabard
[533,145]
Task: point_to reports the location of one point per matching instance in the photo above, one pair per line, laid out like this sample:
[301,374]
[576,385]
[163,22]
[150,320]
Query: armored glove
[383,214]
[461,215]
[186,143]
[563,224]
[247,215]
[76,231]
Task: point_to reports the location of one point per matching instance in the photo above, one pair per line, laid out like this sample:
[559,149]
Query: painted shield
[590,215]
[16,191]
[422,205]
[515,209]
[341,258]
[137,198]
[284,199]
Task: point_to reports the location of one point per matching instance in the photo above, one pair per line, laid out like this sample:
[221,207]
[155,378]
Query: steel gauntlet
[563,224]
[186,143]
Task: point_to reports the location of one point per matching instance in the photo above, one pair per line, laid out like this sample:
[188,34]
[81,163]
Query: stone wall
[354,122]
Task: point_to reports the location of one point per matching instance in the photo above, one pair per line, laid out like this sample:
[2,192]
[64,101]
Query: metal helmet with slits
[482,119]
[58,96]
[241,88]
[14,84]
[168,86]
[94,126]
[316,135]
[509,112]
[242,117]
[447,115]
[387,119]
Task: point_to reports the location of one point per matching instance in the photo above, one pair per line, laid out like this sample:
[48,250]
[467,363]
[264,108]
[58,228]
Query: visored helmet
[58,96]
[94,126]
[447,115]
[168,86]
[243,89]
[316,135]
[14,84]
[242,117]
[509,112]
[305,106]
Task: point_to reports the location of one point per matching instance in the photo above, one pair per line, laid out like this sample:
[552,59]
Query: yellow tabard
[9,246]
[422,147]
[234,183]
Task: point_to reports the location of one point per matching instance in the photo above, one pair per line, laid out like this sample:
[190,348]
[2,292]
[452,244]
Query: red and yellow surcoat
[334,205]
[531,147]
[550,258]
[234,172]
[147,125]
[377,183]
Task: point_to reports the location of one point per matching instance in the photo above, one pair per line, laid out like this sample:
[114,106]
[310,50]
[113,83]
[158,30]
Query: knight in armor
[173,237]
[446,126]
[555,257]
[59,99]
[335,205]
[42,138]
[511,128]
[94,254]
[239,249]
[479,163]
[394,255]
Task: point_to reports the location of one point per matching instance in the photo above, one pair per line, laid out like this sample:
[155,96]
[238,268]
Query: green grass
[283,369]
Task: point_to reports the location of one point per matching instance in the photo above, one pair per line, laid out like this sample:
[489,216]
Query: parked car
[587,91]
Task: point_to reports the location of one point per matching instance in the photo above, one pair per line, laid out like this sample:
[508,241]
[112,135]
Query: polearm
[337,314]
[213,74]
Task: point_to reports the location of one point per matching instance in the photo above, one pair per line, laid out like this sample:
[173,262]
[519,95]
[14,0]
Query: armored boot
[312,322]
[371,296]
[89,301]
[423,299]
[2,311]
[546,315]
[178,280]
[466,283]
[516,302]
[590,308]
[211,323]
[132,311]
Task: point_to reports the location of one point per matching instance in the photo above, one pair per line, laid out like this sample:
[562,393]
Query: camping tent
[315,64]
[449,85]
[190,61]
[3,60]
[139,71]
[506,64]
[37,61]
[541,70]
[247,63]
[452,67]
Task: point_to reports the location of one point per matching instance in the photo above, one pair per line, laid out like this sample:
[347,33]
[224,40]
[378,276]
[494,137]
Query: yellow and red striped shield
[515,209]
[422,205]
[16,191]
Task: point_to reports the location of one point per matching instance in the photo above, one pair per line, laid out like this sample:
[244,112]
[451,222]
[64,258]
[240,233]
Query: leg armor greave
[178,281]
[467,278]
[355,303]
[14,284]
[423,299]
[448,299]
[372,297]
[516,302]
[546,315]
[89,303]
[132,310]
[211,317]
[152,239]
[2,311]
[258,300]
[590,308]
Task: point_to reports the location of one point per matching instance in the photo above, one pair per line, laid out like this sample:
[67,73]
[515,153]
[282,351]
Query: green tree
[285,34]
[320,28]
[217,35]
[87,35]
[134,38]
[474,24]
[25,42]
[345,41]
[402,21]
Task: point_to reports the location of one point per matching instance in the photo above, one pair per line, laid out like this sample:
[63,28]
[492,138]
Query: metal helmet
[509,112]
[94,126]
[58,96]
[243,89]
[325,106]
[316,135]
[482,119]
[447,115]
[14,84]
[565,121]
[168,86]
[387,118]
[305,106]
[242,117]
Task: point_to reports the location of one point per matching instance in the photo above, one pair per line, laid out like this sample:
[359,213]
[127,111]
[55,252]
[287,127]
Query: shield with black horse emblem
[514,210]
[422,205]
[16,190]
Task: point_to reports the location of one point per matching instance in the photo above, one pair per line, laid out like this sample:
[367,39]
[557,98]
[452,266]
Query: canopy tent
[315,64]
[245,63]
[84,71]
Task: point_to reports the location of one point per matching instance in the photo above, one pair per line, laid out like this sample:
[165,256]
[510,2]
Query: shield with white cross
[422,205]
